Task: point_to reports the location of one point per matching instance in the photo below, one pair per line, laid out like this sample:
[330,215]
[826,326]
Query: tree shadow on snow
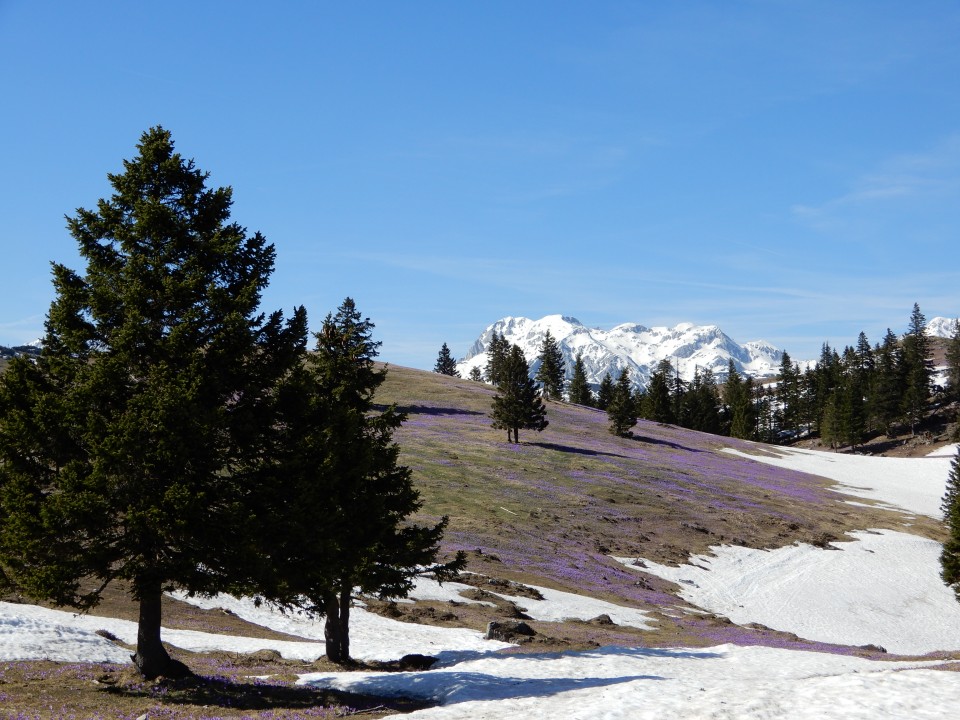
[449,688]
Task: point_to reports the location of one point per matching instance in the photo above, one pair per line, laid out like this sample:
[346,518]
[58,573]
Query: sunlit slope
[557,505]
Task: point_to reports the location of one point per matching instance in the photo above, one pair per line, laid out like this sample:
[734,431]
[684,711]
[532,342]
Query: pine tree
[127,449]
[341,466]
[737,395]
[658,406]
[918,369]
[953,363]
[579,388]
[497,352]
[622,411]
[517,403]
[605,392]
[702,403]
[446,365]
[551,372]
[950,557]
[475,374]
[887,384]
[789,397]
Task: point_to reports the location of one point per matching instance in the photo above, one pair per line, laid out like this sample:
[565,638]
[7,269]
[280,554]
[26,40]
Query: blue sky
[786,170]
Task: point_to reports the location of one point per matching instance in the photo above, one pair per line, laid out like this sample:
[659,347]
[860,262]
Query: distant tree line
[844,398]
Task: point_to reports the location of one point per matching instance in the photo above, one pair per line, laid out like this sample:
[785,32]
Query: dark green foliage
[917,369]
[702,403]
[517,403]
[551,373]
[738,399]
[953,363]
[605,392]
[446,365]
[579,388]
[789,397]
[475,374]
[658,404]
[887,386]
[497,352]
[127,449]
[622,411]
[950,557]
[339,503]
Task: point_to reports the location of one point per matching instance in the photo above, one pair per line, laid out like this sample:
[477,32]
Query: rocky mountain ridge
[630,345]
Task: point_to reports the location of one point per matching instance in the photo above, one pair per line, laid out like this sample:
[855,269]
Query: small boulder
[417,662]
[509,631]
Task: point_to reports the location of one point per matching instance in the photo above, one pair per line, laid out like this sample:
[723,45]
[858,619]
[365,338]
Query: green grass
[551,510]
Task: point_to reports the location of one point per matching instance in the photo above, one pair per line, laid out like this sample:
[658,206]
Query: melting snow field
[881,588]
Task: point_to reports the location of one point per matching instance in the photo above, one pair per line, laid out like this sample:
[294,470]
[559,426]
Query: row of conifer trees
[844,398]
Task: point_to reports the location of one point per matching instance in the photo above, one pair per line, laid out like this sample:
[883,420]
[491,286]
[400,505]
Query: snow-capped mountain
[629,345]
[941,327]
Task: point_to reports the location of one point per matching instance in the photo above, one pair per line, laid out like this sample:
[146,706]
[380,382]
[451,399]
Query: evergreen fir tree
[579,388]
[497,352]
[950,556]
[789,397]
[605,392]
[917,368]
[738,397]
[887,387]
[702,403]
[475,374]
[517,403]
[953,363]
[127,450]
[621,410]
[551,373]
[446,365]
[341,465]
[657,402]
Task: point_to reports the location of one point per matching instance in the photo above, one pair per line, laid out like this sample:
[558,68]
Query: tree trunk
[332,628]
[151,657]
[336,626]
[345,624]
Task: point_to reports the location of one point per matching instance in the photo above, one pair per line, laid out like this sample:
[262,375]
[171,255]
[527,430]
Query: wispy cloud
[933,175]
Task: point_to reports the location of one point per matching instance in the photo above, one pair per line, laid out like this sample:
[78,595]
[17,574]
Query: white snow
[720,682]
[912,484]
[556,605]
[880,588]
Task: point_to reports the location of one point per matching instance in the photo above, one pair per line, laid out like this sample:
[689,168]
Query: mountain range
[641,349]
[629,345]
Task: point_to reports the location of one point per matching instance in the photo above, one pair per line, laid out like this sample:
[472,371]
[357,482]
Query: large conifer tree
[917,369]
[579,388]
[126,449]
[950,557]
[517,403]
[622,411]
[551,373]
[497,352]
[337,509]
[953,363]
[446,365]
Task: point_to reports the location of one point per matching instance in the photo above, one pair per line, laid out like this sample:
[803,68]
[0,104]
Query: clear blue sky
[786,170]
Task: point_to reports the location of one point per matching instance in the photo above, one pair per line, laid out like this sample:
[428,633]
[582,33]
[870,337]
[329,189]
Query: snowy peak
[630,345]
[941,327]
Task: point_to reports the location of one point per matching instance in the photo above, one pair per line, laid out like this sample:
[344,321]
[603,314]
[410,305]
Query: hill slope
[552,510]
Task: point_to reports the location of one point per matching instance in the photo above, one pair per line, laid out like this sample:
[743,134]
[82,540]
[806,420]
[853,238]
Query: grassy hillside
[551,510]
